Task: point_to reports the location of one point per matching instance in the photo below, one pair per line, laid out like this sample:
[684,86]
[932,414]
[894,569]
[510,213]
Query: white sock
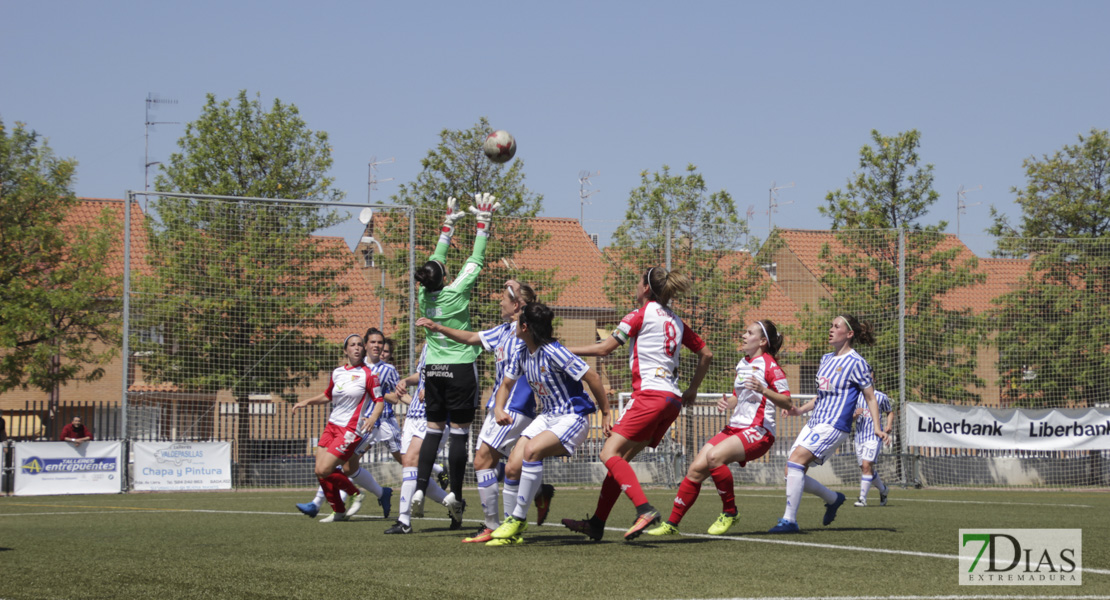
[319,499]
[875,481]
[365,479]
[343,495]
[508,495]
[812,486]
[408,488]
[864,486]
[487,493]
[437,468]
[531,476]
[434,492]
[795,481]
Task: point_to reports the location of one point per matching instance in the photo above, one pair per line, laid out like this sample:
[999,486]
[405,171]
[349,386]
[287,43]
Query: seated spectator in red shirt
[76,432]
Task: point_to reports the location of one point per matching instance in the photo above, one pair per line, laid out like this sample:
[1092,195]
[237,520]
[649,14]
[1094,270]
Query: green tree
[705,233]
[59,305]
[1053,328]
[456,167]
[240,291]
[890,194]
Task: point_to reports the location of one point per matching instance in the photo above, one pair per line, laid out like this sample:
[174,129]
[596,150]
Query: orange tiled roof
[86,215]
[776,305]
[806,244]
[363,312]
[571,251]
[568,250]
[357,316]
[1002,274]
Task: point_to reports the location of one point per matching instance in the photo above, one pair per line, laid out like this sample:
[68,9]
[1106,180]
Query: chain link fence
[235,309]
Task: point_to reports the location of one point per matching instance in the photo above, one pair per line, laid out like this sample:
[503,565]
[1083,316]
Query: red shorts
[649,416]
[756,441]
[340,441]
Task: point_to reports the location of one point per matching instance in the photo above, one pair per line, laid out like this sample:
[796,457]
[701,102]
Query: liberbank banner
[945,426]
[50,468]
[161,466]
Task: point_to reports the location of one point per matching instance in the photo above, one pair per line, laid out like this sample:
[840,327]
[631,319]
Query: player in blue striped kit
[555,376]
[842,377]
[497,441]
[868,447]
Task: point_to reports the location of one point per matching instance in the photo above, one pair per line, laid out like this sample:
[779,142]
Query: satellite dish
[365,216]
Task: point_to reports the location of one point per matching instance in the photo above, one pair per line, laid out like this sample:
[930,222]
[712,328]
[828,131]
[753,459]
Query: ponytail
[431,275]
[862,331]
[772,335]
[664,284]
[538,317]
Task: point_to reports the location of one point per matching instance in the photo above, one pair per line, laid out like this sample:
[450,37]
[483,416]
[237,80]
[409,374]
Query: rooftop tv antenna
[773,202]
[962,205]
[372,180]
[583,185]
[748,224]
[151,100]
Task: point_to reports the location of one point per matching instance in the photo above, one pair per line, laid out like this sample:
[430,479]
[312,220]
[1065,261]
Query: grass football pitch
[253,544]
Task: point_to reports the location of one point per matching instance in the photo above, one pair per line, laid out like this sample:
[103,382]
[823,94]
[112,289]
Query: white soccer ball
[499,146]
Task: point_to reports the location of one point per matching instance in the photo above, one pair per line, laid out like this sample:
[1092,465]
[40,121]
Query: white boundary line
[953,597]
[901,499]
[776,540]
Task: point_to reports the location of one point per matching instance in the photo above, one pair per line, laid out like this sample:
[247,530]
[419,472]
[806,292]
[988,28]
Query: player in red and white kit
[350,388]
[657,335]
[759,387]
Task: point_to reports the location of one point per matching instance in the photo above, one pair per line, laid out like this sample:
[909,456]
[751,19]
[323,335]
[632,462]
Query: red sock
[687,494]
[610,491]
[722,477]
[339,482]
[331,494]
[347,485]
[626,477]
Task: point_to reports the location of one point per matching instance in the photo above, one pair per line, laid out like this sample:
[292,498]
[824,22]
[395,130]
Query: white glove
[453,214]
[484,207]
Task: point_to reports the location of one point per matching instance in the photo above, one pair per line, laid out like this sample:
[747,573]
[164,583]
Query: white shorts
[389,432]
[821,439]
[416,427]
[571,429]
[868,451]
[502,438]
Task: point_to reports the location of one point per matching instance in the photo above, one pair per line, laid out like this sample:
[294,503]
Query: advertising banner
[54,468]
[945,426]
[162,466]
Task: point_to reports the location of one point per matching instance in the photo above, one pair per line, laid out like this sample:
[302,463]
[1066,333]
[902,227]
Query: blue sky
[749,92]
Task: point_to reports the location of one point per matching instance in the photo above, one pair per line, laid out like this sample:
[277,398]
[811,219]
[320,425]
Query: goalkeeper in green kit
[450,375]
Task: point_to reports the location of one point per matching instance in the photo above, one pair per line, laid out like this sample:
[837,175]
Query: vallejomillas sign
[182,466]
[946,426]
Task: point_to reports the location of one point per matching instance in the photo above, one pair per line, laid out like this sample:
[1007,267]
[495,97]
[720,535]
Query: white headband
[765,336]
[347,339]
[846,323]
[651,287]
